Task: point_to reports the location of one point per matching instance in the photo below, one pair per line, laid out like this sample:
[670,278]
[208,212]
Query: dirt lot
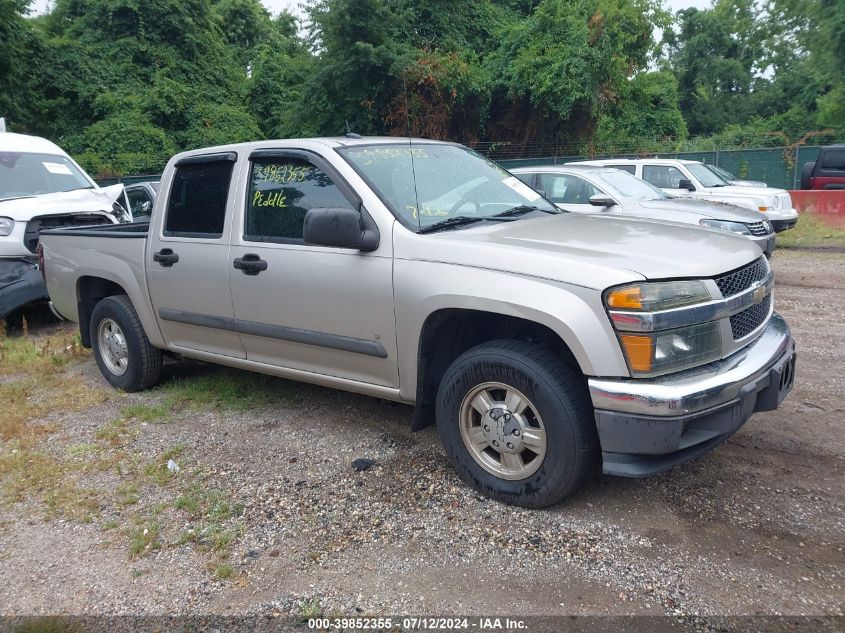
[266,514]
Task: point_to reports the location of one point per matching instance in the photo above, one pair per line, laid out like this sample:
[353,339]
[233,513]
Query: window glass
[281,192]
[431,182]
[631,169]
[833,160]
[197,203]
[624,185]
[137,198]
[707,177]
[567,189]
[664,176]
[528,179]
[24,174]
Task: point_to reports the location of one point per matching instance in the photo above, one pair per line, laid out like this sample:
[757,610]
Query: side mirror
[339,227]
[686,183]
[601,200]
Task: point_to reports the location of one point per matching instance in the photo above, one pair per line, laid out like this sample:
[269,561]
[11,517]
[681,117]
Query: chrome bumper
[697,389]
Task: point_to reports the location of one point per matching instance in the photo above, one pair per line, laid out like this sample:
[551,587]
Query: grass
[143,539]
[227,389]
[811,232]
[36,383]
[310,608]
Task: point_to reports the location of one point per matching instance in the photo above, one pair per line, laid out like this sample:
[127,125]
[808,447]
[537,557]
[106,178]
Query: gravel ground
[755,527]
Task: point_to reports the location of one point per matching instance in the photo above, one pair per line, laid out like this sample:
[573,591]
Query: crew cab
[543,344]
[827,171]
[596,189]
[42,187]
[693,179]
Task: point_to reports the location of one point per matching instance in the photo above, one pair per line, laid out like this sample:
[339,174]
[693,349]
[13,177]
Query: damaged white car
[42,187]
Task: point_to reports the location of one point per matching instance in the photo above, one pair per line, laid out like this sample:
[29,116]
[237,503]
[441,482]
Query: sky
[39,6]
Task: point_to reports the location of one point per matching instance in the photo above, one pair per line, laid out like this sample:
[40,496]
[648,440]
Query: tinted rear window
[197,203]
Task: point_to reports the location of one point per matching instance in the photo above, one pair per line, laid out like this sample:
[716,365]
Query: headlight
[672,350]
[733,227]
[6,226]
[668,350]
[661,295]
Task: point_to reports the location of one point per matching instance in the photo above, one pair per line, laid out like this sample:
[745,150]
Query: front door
[318,309]
[569,192]
[188,257]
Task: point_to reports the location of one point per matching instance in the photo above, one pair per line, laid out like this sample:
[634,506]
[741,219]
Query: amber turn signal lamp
[626,298]
[639,350]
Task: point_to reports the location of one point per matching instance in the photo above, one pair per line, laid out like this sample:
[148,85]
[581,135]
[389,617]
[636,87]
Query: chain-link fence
[776,166]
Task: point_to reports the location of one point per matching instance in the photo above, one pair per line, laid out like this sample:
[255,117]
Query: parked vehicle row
[42,187]
[543,344]
[595,189]
[691,179]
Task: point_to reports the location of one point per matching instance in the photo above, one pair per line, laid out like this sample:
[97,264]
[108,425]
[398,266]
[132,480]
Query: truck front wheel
[517,423]
[123,352]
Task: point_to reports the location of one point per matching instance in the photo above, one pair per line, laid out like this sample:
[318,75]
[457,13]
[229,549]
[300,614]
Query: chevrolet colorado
[543,344]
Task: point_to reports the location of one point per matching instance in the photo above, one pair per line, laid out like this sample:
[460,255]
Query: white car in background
[41,187]
[724,174]
[595,189]
[693,179]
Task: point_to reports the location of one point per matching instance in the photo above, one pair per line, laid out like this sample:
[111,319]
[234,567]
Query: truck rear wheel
[123,352]
[517,423]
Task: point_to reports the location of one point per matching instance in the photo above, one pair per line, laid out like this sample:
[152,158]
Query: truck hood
[77,201]
[595,251]
[700,208]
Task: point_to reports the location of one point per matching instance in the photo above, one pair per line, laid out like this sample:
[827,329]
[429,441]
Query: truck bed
[114,253]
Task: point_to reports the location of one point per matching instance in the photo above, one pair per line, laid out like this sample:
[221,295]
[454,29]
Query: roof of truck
[634,161]
[11,142]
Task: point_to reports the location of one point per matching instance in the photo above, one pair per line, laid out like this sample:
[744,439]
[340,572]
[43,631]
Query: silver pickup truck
[543,344]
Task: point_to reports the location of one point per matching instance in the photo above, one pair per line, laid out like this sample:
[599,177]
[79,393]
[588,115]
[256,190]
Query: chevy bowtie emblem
[759,294]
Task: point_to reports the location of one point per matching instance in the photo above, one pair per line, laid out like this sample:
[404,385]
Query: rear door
[313,308]
[187,257]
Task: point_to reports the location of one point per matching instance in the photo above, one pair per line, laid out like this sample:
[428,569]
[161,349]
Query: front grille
[739,280]
[783,201]
[758,228]
[745,322]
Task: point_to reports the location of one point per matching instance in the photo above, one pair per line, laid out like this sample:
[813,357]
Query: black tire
[557,391]
[144,361]
[807,173]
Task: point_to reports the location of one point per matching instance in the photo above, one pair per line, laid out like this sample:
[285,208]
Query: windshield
[623,185]
[428,183]
[705,176]
[25,174]
[722,173]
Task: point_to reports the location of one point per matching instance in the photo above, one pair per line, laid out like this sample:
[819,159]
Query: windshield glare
[705,176]
[26,174]
[722,173]
[624,185]
[442,181]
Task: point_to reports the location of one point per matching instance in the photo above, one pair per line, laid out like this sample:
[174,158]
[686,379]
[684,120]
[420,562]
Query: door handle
[250,264]
[166,257]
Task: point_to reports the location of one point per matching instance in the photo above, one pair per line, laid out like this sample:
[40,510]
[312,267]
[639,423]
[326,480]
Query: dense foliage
[123,84]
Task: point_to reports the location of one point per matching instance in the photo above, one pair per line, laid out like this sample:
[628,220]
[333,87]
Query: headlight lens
[661,295]
[664,351]
[6,226]
[672,350]
[733,227]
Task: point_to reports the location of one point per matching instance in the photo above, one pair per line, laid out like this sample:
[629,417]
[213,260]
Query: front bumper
[21,282]
[765,242]
[649,426]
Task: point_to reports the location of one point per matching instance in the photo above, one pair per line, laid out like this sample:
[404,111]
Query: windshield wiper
[522,209]
[448,223]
